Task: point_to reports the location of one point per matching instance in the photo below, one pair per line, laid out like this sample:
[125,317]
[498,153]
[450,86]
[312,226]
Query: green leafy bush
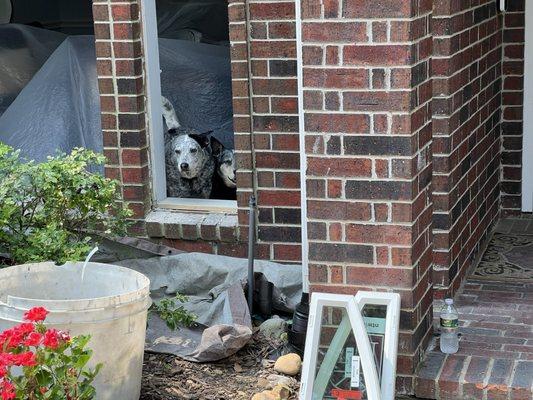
[48,210]
[174,315]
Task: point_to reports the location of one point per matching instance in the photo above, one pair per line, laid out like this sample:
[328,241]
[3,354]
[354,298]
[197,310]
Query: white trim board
[154,122]
[527,149]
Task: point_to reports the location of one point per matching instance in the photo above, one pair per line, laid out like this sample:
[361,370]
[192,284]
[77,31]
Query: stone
[274,380]
[289,364]
[265,395]
[274,327]
[264,383]
[282,391]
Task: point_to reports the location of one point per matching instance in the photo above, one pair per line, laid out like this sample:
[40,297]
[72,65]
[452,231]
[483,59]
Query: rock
[282,391]
[264,383]
[274,327]
[289,364]
[266,363]
[275,380]
[266,395]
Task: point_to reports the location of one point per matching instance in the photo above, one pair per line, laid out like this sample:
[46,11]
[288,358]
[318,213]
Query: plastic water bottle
[449,324]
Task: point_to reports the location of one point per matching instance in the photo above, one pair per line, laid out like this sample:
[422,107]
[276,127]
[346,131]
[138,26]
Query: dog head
[189,153]
[225,161]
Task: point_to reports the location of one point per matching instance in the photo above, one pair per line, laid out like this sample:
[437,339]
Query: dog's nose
[184,166]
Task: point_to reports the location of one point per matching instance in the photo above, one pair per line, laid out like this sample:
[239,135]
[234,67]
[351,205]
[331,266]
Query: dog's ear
[216,146]
[202,139]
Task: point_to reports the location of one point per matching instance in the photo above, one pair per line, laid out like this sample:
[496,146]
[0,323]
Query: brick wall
[120,81]
[512,100]
[367,106]
[467,83]
[263,56]
[276,159]
[397,95]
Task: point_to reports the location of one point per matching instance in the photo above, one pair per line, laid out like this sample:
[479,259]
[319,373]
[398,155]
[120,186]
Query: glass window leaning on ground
[189,104]
[351,347]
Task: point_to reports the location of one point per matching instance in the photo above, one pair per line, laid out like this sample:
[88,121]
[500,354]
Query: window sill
[193,224]
[198,205]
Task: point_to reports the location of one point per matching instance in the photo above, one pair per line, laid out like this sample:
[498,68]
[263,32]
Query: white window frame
[392,326]
[155,128]
[318,302]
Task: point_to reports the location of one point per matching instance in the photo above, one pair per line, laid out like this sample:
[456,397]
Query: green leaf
[173,315]
[49,210]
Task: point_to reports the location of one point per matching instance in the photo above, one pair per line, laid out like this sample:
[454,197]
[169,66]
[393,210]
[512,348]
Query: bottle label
[449,323]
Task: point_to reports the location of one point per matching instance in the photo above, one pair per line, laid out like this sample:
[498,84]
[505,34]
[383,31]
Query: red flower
[33,339]
[36,314]
[26,359]
[51,338]
[6,360]
[24,328]
[3,371]
[63,336]
[11,338]
[15,336]
[7,390]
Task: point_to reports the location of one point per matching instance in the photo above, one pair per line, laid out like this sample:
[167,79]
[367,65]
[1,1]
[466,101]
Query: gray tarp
[182,19]
[196,78]
[23,51]
[214,287]
[59,108]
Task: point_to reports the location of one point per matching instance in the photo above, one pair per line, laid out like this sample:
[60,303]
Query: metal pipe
[303,155]
[251,254]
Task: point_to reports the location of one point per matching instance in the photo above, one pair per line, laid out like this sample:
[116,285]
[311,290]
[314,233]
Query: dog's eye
[228,162]
[178,151]
[194,150]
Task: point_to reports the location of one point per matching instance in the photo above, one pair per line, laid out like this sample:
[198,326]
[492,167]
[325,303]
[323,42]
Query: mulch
[239,377]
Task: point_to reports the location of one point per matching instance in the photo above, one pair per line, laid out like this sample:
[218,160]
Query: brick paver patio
[495,357]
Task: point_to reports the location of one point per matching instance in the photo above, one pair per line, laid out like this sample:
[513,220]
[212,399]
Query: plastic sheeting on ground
[59,108]
[214,286]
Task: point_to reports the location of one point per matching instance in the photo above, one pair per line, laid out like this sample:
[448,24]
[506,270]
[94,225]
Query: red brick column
[120,81]
[367,101]
[275,126]
[512,101]
[467,81]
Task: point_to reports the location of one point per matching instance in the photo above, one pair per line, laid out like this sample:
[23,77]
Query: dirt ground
[166,377]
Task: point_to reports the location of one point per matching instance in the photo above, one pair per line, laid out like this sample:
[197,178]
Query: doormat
[508,257]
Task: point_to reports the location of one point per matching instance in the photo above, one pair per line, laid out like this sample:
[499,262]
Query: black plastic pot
[298,330]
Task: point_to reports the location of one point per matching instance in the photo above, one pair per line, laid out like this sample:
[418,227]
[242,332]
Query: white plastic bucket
[110,305]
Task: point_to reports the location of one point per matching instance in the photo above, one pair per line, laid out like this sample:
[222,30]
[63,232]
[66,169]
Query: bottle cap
[448,302]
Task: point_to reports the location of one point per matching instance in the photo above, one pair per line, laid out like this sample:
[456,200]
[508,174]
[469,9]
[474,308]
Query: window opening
[190,73]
